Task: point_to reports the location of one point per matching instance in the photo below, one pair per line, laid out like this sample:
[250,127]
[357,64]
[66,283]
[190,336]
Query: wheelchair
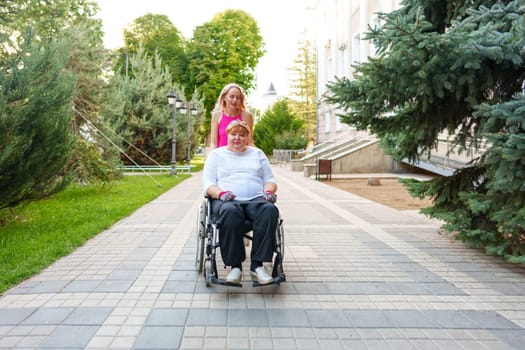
[207,233]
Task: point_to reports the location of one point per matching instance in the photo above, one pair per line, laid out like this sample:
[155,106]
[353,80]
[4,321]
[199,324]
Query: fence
[153,168]
[285,155]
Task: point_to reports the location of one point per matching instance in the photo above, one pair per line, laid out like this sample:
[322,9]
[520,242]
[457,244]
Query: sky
[282,24]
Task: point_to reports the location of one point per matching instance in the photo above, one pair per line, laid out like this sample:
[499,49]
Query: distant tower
[269,98]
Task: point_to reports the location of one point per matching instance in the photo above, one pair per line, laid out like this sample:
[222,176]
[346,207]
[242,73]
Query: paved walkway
[360,276]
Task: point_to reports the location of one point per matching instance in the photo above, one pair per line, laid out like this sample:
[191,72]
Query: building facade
[341,26]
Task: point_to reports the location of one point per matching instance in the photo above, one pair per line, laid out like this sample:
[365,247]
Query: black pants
[232,217]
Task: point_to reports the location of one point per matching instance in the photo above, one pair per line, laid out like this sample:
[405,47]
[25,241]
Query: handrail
[153,168]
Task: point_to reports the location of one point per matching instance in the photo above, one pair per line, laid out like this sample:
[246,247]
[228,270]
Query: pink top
[222,137]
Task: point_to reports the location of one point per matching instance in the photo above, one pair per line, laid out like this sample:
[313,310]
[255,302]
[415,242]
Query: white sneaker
[234,276]
[261,275]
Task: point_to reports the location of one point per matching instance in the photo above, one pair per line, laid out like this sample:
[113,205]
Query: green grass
[198,163]
[34,236]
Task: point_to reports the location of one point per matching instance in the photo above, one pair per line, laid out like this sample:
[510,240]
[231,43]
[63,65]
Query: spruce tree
[36,102]
[455,67]
[137,109]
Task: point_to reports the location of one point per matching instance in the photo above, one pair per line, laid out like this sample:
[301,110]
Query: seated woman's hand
[226,196]
[270,196]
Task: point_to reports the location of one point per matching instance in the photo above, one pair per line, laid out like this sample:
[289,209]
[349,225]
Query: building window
[356,48]
[374,24]
[327,121]
[341,62]
[329,70]
[338,124]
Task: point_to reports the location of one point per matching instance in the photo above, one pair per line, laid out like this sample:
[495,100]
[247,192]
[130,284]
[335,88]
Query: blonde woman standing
[230,106]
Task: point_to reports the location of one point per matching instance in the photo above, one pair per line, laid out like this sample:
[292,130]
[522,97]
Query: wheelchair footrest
[222,282]
[276,280]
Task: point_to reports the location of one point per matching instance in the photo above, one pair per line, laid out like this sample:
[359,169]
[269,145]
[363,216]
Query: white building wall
[341,28]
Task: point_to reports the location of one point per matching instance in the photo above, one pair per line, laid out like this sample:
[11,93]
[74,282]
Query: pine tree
[36,102]
[456,67]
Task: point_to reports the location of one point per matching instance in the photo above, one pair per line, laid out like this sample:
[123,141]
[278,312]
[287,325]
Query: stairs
[350,154]
[363,154]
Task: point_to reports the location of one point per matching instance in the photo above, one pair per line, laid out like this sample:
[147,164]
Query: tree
[47,19]
[227,49]
[36,101]
[156,34]
[303,87]
[453,66]
[279,127]
[74,20]
[137,110]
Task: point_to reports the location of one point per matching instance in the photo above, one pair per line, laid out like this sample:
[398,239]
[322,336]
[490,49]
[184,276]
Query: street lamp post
[191,111]
[176,102]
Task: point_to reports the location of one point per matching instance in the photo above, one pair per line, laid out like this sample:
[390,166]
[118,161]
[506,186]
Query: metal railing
[285,155]
[153,168]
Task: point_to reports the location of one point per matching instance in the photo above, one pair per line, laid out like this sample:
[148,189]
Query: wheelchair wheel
[207,273]
[277,271]
[201,236]
[280,233]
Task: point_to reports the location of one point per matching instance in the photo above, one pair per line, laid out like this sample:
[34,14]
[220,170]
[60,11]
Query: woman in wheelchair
[240,182]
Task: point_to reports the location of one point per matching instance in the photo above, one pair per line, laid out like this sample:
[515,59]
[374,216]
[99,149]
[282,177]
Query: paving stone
[48,316]
[179,286]
[14,316]
[125,274]
[81,286]
[73,337]
[48,287]
[287,318]
[247,318]
[489,320]
[184,275]
[88,316]
[424,344]
[167,317]
[443,289]
[114,286]
[507,288]
[354,344]
[207,317]
[132,264]
[327,318]
[284,343]
[308,344]
[159,338]
[368,318]
[410,319]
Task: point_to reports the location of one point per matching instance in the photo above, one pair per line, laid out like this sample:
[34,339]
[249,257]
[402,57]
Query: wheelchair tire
[277,271]
[279,239]
[201,236]
[207,273]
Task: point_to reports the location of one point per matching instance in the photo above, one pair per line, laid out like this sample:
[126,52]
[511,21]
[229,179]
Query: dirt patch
[389,192]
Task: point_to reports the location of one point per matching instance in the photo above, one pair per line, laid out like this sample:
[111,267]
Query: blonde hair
[221,103]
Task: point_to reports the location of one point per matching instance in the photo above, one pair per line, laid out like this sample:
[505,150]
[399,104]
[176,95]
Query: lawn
[34,236]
